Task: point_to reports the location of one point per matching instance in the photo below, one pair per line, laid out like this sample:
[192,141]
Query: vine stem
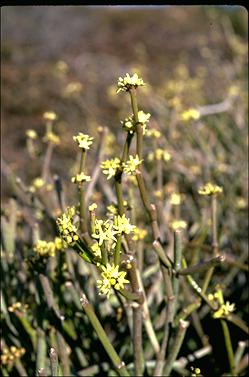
[117,362]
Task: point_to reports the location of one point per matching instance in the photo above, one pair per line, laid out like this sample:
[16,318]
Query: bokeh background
[68,59]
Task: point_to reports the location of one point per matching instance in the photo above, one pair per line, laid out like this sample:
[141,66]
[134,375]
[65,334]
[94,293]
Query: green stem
[209,273]
[53,362]
[177,264]
[120,200]
[117,250]
[41,350]
[202,266]
[118,364]
[161,255]
[197,288]
[83,224]
[175,347]
[238,322]
[229,346]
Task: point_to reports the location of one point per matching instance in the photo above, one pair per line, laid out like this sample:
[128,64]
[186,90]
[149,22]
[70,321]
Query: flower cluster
[18,306]
[48,249]
[129,123]
[210,189]
[127,82]
[178,224]
[31,134]
[175,199]
[159,154]
[111,277]
[224,310]
[67,228]
[51,137]
[49,115]
[83,141]
[9,355]
[190,114]
[104,231]
[130,166]
[79,178]
[139,234]
[96,249]
[122,225]
[110,167]
[153,133]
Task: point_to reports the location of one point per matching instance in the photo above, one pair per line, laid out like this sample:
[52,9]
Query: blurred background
[68,59]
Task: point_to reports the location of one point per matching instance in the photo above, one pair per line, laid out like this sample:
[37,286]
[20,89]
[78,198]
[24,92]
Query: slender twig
[47,160]
[177,264]
[183,325]
[229,347]
[202,266]
[53,361]
[239,353]
[117,362]
[209,273]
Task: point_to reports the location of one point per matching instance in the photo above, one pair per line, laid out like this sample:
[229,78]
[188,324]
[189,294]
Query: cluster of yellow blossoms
[178,224]
[51,137]
[18,306]
[31,134]
[190,114]
[111,277]
[110,167]
[129,123]
[83,141]
[79,178]
[127,82]
[159,154]
[9,355]
[48,249]
[130,166]
[50,116]
[225,308]
[210,189]
[67,228]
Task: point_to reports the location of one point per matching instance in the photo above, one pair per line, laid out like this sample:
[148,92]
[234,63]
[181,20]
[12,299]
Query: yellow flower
[210,189]
[44,248]
[224,310]
[122,225]
[31,134]
[139,234]
[159,154]
[68,230]
[190,114]
[72,88]
[178,224]
[49,115]
[111,210]
[175,199]
[36,184]
[52,138]
[111,278]
[127,82]
[104,232]
[153,133]
[96,249]
[92,207]
[110,167]
[131,165]
[79,178]
[84,141]
[129,124]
